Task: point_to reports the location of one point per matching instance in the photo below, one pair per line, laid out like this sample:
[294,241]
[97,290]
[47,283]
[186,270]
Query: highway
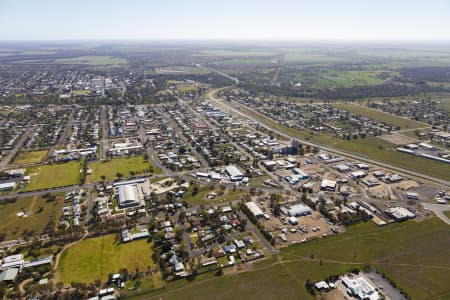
[65,135]
[431,179]
[12,154]
[104,128]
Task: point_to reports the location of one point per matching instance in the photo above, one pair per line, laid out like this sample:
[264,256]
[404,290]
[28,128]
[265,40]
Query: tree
[195,190]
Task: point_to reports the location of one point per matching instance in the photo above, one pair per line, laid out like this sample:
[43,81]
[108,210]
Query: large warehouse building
[296,210]
[130,196]
[234,173]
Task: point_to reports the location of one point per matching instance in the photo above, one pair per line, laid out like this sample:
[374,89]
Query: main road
[12,154]
[212,98]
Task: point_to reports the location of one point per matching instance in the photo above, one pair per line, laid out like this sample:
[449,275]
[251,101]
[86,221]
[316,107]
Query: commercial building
[399,213]
[233,173]
[9,274]
[360,288]
[254,209]
[357,174]
[130,196]
[328,185]
[7,186]
[296,210]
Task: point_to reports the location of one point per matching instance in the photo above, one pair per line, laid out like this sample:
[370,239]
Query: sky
[225,19]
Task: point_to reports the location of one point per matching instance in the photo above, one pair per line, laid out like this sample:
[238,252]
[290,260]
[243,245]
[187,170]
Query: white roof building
[7,186]
[234,173]
[130,196]
[298,210]
[254,209]
[360,288]
[329,185]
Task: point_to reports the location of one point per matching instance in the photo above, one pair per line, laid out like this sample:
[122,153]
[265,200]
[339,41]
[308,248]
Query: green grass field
[99,60]
[413,254]
[380,116]
[444,104]
[50,176]
[95,258]
[28,157]
[203,191]
[181,70]
[234,53]
[333,78]
[110,168]
[91,60]
[186,88]
[14,227]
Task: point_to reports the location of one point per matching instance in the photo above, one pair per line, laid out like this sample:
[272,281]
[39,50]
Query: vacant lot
[412,254]
[124,166]
[39,214]
[29,157]
[95,258]
[380,116]
[50,176]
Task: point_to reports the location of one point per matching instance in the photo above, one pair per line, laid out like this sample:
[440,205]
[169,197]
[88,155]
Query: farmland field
[50,176]
[39,214]
[413,254]
[91,60]
[27,157]
[110,168]
[234,53]
[380,116]
[95,258]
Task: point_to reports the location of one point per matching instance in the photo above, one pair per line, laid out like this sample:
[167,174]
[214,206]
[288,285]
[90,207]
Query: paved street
[438,209]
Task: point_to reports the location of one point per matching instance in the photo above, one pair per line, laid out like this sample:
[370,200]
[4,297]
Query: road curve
[438,209]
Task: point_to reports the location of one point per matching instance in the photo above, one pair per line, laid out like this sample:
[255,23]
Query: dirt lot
[397,139]
[335,294]
[308,227]
[392,191]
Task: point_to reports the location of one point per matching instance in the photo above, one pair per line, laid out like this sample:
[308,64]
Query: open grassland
[95,258]
[124,166]
[444,104]
[203,191]
[371,148]
[101,60]
[29,157]
[91,60]
[50,176]
[40,213]
[412,254]
[186,88]
[380,116]
[171,70]
[251,61]
[334,78]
